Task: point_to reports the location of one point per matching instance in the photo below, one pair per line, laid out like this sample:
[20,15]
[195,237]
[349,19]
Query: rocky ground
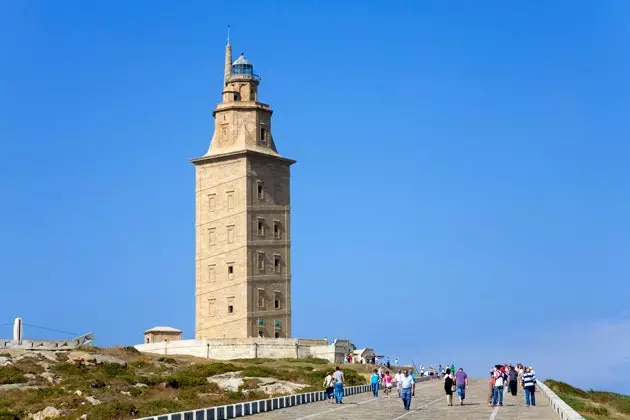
[121,383]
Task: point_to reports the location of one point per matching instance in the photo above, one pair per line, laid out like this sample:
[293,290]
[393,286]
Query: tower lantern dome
[242,66]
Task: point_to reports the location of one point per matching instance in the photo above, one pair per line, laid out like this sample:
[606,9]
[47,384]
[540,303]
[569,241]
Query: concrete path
[429,403]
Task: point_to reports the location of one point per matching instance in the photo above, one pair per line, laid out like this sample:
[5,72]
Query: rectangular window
[230,234]
[261,298]
[260,190]
[276,230]
[260,263]
[263,136]
[277,300]
[230,199]
[212,202]
[261,322]
[230,305]
[224,132]
[212,236]
[277,324]
[277,267]
[230,270]
[212,273]
[212,307]
[277,334]
[261,227]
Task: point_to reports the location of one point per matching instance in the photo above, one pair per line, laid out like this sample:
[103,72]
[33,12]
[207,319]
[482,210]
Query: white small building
[160,334]
[364,355]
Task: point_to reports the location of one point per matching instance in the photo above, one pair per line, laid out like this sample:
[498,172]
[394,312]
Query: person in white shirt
[398,380]
[329,385]
[499,381]
[408,389]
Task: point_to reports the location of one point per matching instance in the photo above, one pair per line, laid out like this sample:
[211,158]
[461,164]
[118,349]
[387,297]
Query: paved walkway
[429,403]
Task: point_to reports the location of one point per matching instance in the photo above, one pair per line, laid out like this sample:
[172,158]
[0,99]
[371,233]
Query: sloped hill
[121,383]
[591,404]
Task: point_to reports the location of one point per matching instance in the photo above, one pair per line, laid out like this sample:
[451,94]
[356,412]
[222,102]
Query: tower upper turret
[241,122]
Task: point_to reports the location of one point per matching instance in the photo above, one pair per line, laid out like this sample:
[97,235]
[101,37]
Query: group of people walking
[334,383]
[455,382]
[507,376]
[502,377]
[403,380]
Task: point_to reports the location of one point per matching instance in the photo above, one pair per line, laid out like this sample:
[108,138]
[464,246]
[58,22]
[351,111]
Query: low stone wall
[246,348]
[47,344]
[561,408]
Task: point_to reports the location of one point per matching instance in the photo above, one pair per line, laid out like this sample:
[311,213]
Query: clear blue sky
[462,191]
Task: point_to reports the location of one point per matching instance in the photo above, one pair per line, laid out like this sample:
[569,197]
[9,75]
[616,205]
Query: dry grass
[593,405]
[174,383]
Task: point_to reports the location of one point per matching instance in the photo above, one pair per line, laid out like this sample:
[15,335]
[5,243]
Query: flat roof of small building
[163,330]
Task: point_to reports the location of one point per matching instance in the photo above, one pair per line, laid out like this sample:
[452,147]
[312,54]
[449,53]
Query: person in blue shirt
[375,382]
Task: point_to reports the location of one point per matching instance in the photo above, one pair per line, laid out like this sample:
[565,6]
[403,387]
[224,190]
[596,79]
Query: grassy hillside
[593,405]
[121,383]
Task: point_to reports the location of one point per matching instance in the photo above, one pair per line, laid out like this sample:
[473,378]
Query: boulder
[86,358]
[230,381]
[92,400]
[46,413]
[50,377]
[5,361]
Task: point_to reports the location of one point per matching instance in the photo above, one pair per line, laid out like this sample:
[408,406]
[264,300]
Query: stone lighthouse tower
[242,195]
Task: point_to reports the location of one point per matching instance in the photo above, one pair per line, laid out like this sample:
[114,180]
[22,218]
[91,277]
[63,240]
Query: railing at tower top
[244,77]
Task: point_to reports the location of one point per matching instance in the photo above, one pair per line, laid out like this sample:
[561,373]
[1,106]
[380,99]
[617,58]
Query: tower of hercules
[242,196]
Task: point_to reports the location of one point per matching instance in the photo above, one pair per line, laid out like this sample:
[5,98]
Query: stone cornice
[242,106]
[237,154]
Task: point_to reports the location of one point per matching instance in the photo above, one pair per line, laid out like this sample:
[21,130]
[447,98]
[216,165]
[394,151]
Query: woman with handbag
[449,386]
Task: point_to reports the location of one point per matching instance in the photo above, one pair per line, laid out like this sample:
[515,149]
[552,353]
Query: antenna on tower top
[228,38]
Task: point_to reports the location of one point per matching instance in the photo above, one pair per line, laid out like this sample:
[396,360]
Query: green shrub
[262,372]
[135,392]
[311,360]
[168,360]
[8,415]
[69,369]
[210,369]
[97,384]
[130,350]
[11,375]
[564,388]
[353,378]
[51,392]
[139,364]
[155,407]
[252,361]
[112,370]
[595,409]
[113,410]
